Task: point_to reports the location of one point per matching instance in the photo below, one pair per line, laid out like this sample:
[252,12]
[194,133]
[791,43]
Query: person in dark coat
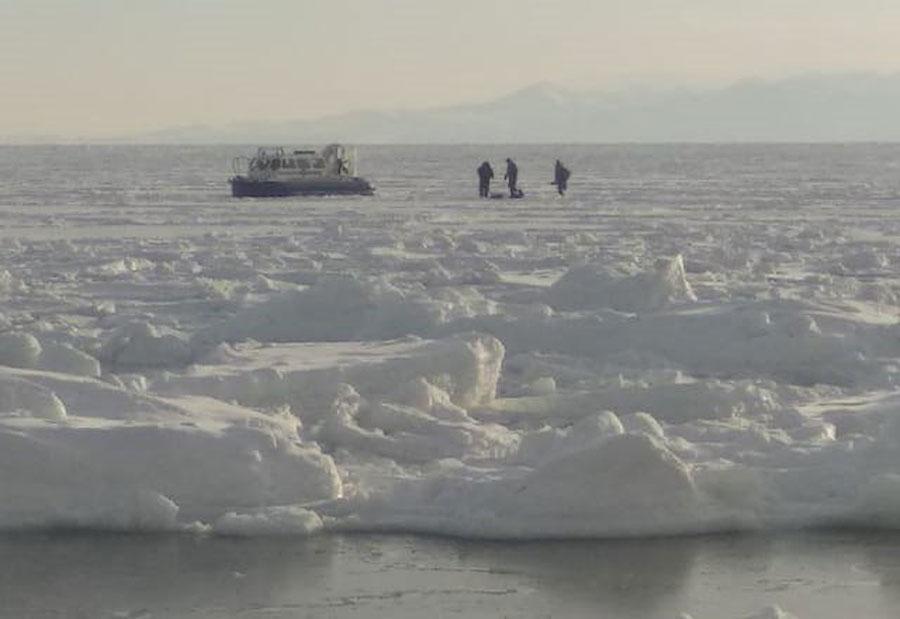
[485,174]
[561,177]
[512,177]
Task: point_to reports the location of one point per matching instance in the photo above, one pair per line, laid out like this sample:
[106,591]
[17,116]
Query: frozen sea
[673,392]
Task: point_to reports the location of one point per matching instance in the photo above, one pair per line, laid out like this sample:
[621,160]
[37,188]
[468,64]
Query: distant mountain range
[811,108]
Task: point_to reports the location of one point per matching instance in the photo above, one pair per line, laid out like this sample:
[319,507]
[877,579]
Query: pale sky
[94,68]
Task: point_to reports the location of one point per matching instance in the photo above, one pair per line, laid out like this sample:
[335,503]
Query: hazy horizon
[96,69]
[849,108]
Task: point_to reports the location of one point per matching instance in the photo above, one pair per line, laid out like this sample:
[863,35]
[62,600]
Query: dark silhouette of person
[485,174]
[561,177]
[512,177]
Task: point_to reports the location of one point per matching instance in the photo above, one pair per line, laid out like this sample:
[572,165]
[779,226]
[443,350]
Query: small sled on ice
[516,195]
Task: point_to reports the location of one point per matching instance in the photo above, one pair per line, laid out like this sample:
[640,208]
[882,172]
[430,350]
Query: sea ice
[425,363]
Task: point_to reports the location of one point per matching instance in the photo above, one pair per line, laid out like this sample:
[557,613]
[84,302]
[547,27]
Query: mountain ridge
[807,108]
[813,107]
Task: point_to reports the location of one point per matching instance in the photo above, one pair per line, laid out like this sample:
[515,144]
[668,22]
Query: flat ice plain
[697,339]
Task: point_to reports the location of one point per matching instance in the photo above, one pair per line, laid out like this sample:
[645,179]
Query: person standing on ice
[512,177]
[485,174]
[561,177]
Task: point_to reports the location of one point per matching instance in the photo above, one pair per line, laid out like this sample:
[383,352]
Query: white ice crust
[384,373]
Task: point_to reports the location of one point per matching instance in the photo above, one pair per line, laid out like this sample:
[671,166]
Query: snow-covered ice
[664,351]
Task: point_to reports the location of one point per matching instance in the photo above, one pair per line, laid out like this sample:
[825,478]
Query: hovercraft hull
[243,187]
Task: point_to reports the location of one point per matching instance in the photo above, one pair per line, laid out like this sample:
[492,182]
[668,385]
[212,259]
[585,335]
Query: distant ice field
[696,338]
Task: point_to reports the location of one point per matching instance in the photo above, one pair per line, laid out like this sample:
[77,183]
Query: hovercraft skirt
[242,187]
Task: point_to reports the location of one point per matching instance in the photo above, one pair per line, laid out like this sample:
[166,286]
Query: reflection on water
[89,575]
[625,577]
[821,575]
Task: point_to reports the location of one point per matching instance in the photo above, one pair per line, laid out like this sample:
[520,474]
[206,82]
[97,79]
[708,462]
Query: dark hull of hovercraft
[242,187]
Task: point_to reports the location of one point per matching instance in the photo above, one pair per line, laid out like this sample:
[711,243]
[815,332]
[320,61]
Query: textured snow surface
[600,365]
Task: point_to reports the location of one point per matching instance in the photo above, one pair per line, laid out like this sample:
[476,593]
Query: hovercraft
[274,173]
